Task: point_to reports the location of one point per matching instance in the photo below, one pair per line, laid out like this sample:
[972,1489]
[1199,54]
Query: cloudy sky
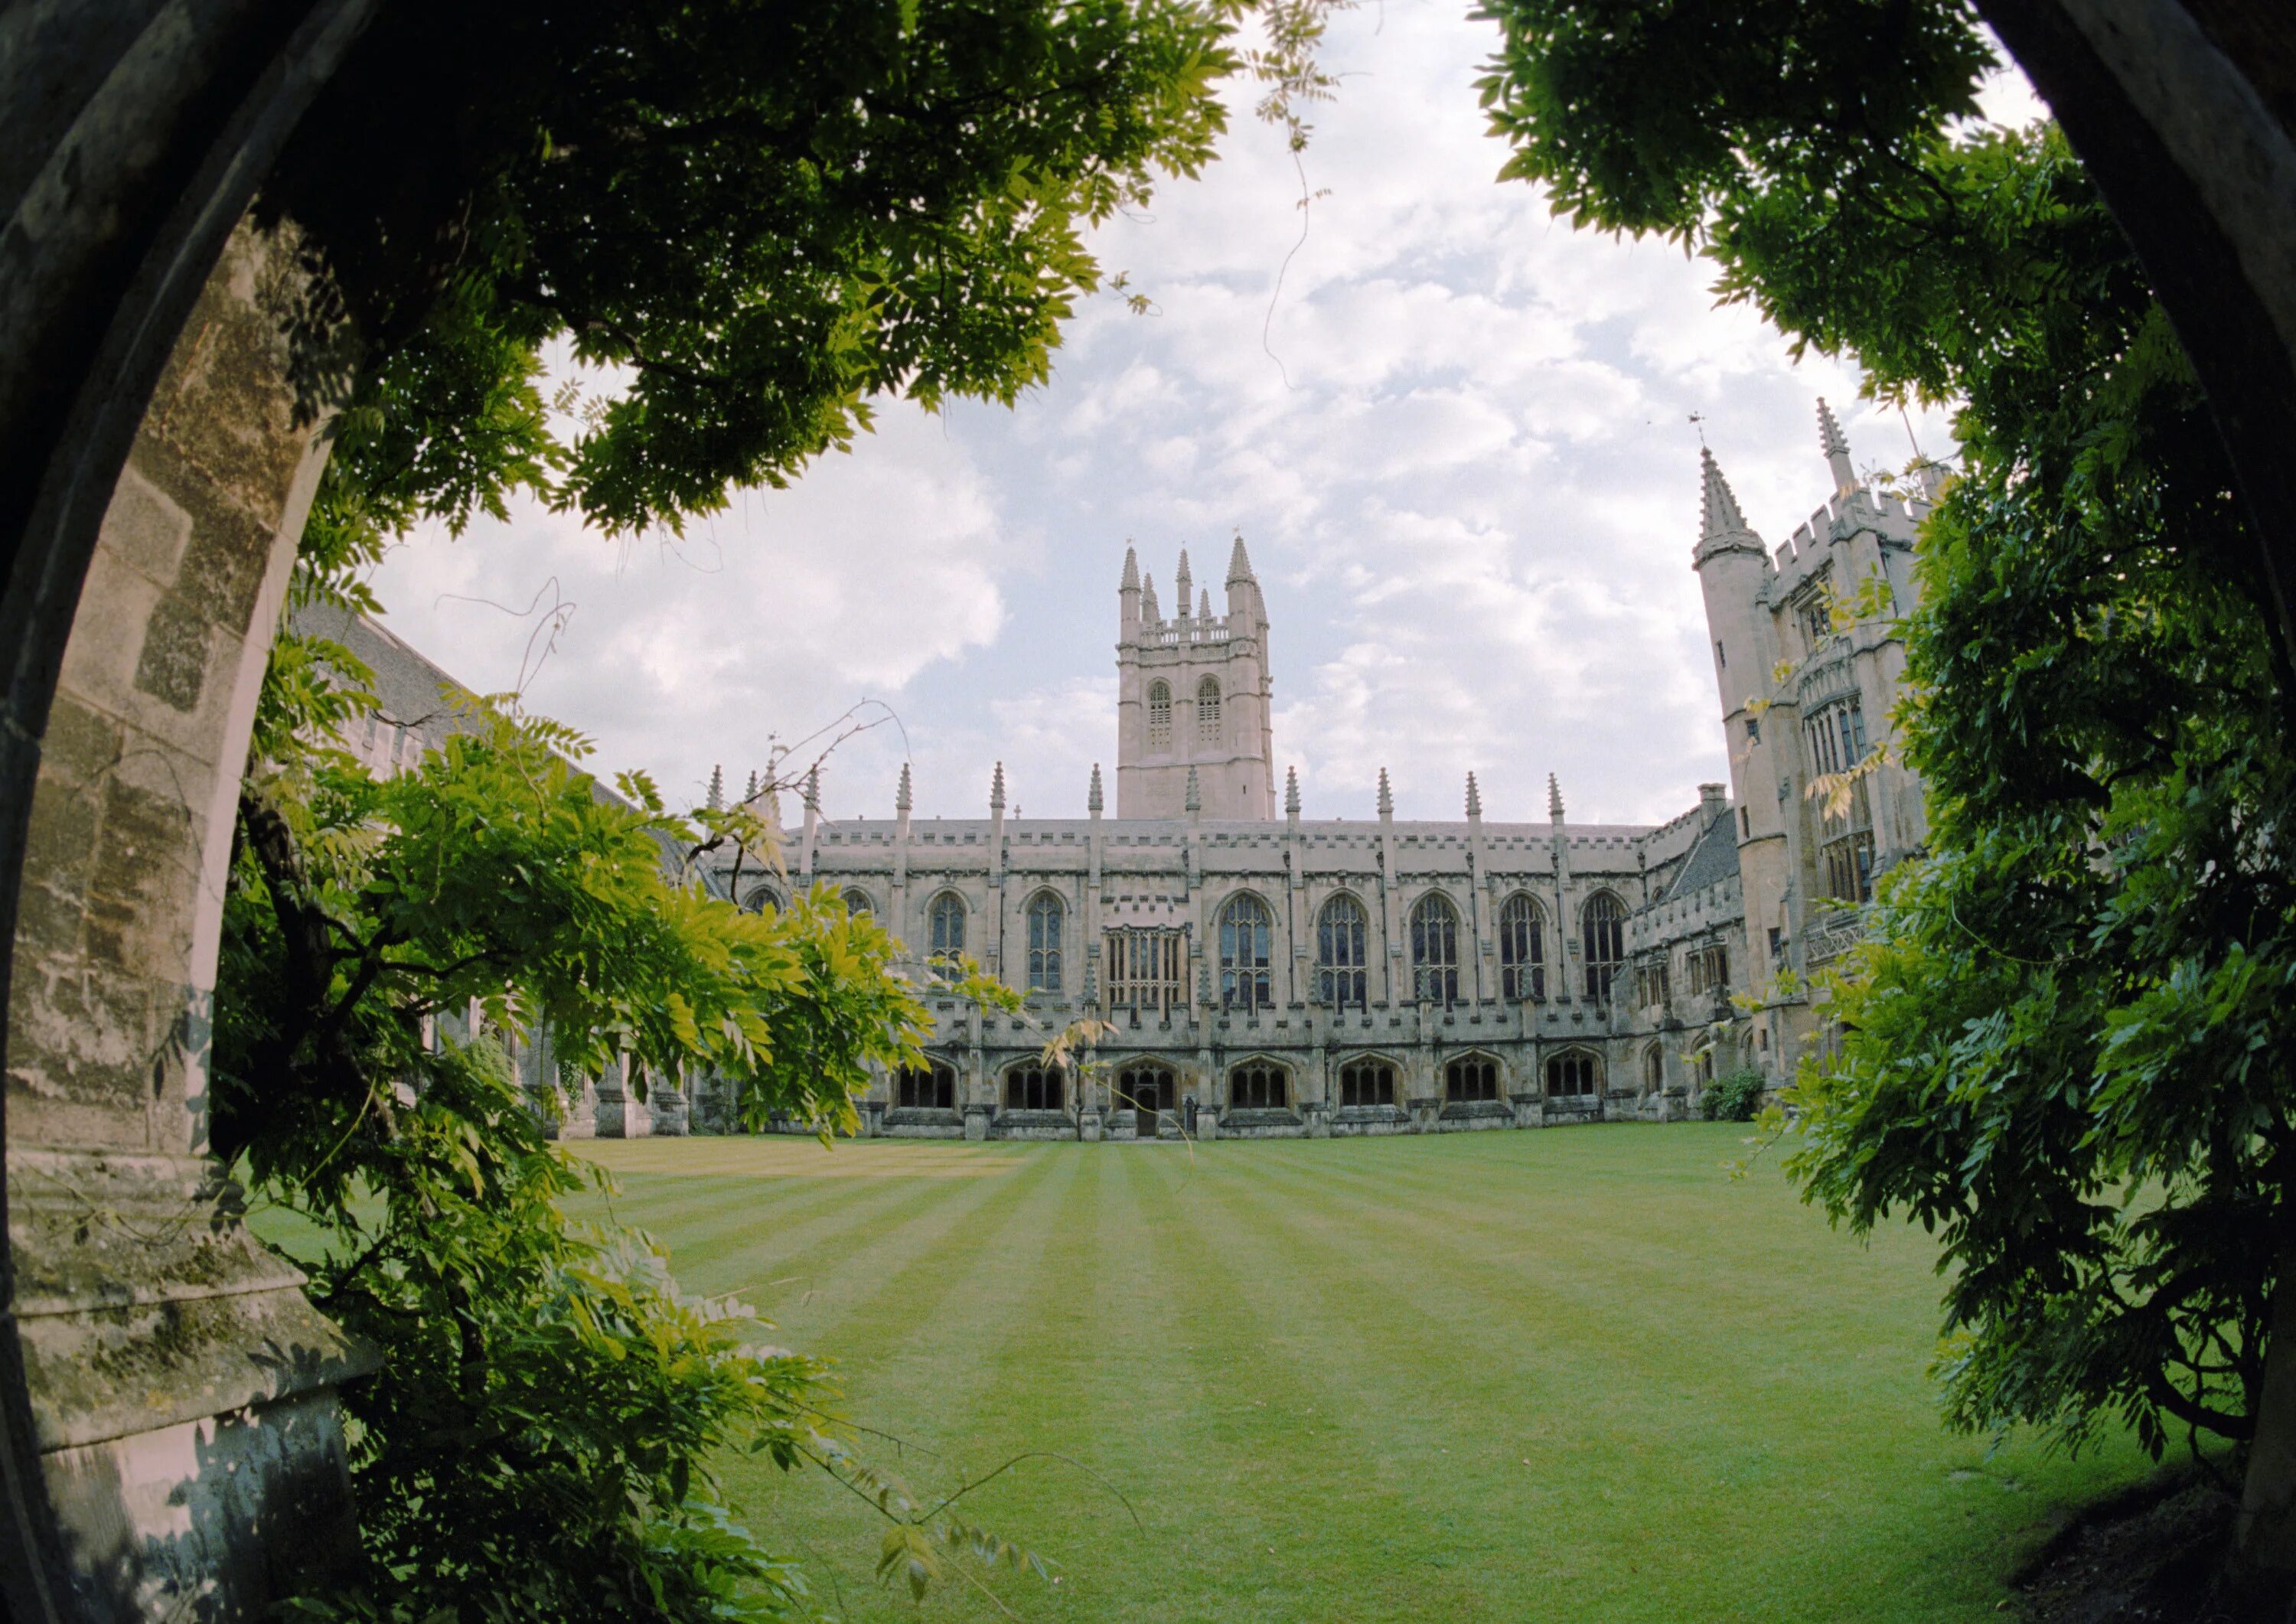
[1458,443]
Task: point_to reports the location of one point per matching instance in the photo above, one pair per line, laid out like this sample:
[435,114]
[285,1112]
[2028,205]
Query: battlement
[1176,634]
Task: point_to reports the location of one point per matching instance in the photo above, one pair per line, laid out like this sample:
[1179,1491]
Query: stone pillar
[182,1388]
[620,1113]
[668,1112]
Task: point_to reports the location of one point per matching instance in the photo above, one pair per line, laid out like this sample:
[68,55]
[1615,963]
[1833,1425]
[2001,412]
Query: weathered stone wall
[180,1384]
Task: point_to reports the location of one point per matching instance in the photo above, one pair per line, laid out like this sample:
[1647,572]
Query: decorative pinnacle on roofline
[1091,800]
[813,788]
[1148,607]
[1554,798]
[1475,798]
[1291,784]
[996,791]
[717,788]
[1386,796]
[901,802]
[1830,438]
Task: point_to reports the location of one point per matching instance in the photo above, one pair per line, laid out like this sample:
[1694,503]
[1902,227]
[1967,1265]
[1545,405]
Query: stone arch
[1602,941]
[1366,1077]
[1572,1073]
[1208,711]
[857,902]
[1029,1084]
[1522,947]
[760,897]
[1654,1077]
[1260,1082]
[1044,940]
[1244,939]
[1435,934]
[948,915]
[1343,951]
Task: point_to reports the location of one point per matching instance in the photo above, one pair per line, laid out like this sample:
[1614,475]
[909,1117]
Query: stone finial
[1091,800]
[813,788]
[1195,801]
[1554,798]
[1718,517]
[717,788]
[1148,608]
[1386,796]
[1204,603]
[1290,782]
[1239,563]
[752,795]
[901,799]
[997,792]
[1131,581]
[1836,446]
[1475,798]
[1185,583]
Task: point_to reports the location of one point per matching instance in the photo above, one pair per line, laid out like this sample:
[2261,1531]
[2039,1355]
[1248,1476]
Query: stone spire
[812,789]
[752,795]
[1386,796]
[1149,611]
[1195,801]
[1185,584]
[1291,775]
[1475,798]
[997,792]
[1239,563]
[1092,801]
[901,800]
[1718,509]
[717,788]
[1203,603]
[1836,446]
[1554,798]
[1131,581]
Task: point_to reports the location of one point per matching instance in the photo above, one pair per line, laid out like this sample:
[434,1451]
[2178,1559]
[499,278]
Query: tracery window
[1522,949]
[1572,1074]
[1603,930]
[1368,1082]
[1148,1090]
[1045,915]
[1243,954]
[1435,950]
[1159,715]
[1257,1086]
[1033,1087]
[1472,1078]
[945,921]
[1835,734]
[858,905]
[758,900]
[1144,970]
[928,1087]
[1654,1069]
[1341,980]
[1710,969]
[1208,711]
[1653,983]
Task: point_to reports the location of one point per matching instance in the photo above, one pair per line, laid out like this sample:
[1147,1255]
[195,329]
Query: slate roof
[1712,860]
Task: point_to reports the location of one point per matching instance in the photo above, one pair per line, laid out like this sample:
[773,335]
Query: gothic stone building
[1270,974]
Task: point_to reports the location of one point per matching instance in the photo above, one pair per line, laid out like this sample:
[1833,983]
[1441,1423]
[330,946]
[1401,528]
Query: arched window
[1257,1086]
[758,900]
[1208,725]
[1435,950]
[858,905]
[1366,1082]
[1572,1074]
[1159,715]
[1045,943]
[1706,1067]
[1523,949]
[931,1087]
[1033,1087]
[1472,1078]
[1243,950]
[945,919]
[1339,977]
[1654,1069]
[1603,924]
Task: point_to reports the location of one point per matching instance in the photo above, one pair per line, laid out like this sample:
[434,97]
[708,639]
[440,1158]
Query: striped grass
[1580,1375]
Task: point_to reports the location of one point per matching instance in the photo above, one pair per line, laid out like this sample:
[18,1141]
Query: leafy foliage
[2065,1045]
[1733,1097]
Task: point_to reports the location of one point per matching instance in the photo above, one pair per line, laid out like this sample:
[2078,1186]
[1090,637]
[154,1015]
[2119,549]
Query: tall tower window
[1159,715]
[1604,929]
[1207,722]
[858,905]
[1523,949]
[1339,975]
[1435,950]
[1044,913]
[1243,947]
[946,919]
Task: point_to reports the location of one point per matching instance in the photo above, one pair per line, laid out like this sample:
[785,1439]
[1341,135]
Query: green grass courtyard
[1571,1375]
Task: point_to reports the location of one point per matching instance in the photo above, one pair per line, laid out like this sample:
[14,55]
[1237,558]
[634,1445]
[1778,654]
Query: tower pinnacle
[1186,582]
[716,788]
[1291,791]
[1720,523]
[1475,798]
[1836,446]
[997,792]
[1149,610]
[1386,796]
[1131,581]
[1239,563]
[1554,798]
[901,800]
[1092,801]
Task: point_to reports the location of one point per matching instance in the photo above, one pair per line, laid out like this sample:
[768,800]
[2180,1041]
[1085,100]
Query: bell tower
[1192,694]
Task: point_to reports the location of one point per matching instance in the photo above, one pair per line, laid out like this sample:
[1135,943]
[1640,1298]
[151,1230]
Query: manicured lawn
[1572,1375]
